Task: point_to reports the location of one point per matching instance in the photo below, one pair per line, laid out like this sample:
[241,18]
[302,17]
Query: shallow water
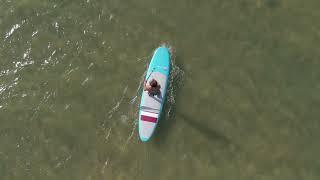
[242,101]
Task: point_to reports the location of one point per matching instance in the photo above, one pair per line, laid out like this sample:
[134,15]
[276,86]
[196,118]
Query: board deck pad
[151,106]
[154,102]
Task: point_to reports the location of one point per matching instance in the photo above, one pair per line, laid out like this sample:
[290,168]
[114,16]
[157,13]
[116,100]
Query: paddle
[139,88]
[150,74]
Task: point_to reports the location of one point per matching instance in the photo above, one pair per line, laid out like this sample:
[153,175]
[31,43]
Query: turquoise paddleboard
[151,106]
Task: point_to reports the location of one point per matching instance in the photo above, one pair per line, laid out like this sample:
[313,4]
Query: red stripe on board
[149,119]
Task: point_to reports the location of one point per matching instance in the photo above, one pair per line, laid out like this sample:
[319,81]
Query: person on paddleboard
[153,87]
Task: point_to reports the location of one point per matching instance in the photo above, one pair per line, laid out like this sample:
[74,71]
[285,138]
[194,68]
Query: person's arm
[145,85]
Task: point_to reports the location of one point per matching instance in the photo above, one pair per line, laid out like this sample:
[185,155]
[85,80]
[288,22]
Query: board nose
[162,52]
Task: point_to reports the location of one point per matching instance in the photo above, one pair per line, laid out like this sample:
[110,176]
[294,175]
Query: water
[242,103]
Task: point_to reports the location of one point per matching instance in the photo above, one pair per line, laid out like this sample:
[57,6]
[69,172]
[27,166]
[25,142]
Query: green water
[243,103]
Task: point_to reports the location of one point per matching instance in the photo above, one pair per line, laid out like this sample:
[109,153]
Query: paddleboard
[151,106]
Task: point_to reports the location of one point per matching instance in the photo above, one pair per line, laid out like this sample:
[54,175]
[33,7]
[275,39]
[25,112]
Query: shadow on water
[170,115]
[211,134]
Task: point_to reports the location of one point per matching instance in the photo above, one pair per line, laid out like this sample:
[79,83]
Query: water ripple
[116,107]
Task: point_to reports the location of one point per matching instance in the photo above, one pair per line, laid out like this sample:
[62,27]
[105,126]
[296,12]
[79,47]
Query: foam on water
[176,79]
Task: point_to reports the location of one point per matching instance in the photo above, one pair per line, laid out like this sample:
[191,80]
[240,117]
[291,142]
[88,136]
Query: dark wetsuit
[154,91]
